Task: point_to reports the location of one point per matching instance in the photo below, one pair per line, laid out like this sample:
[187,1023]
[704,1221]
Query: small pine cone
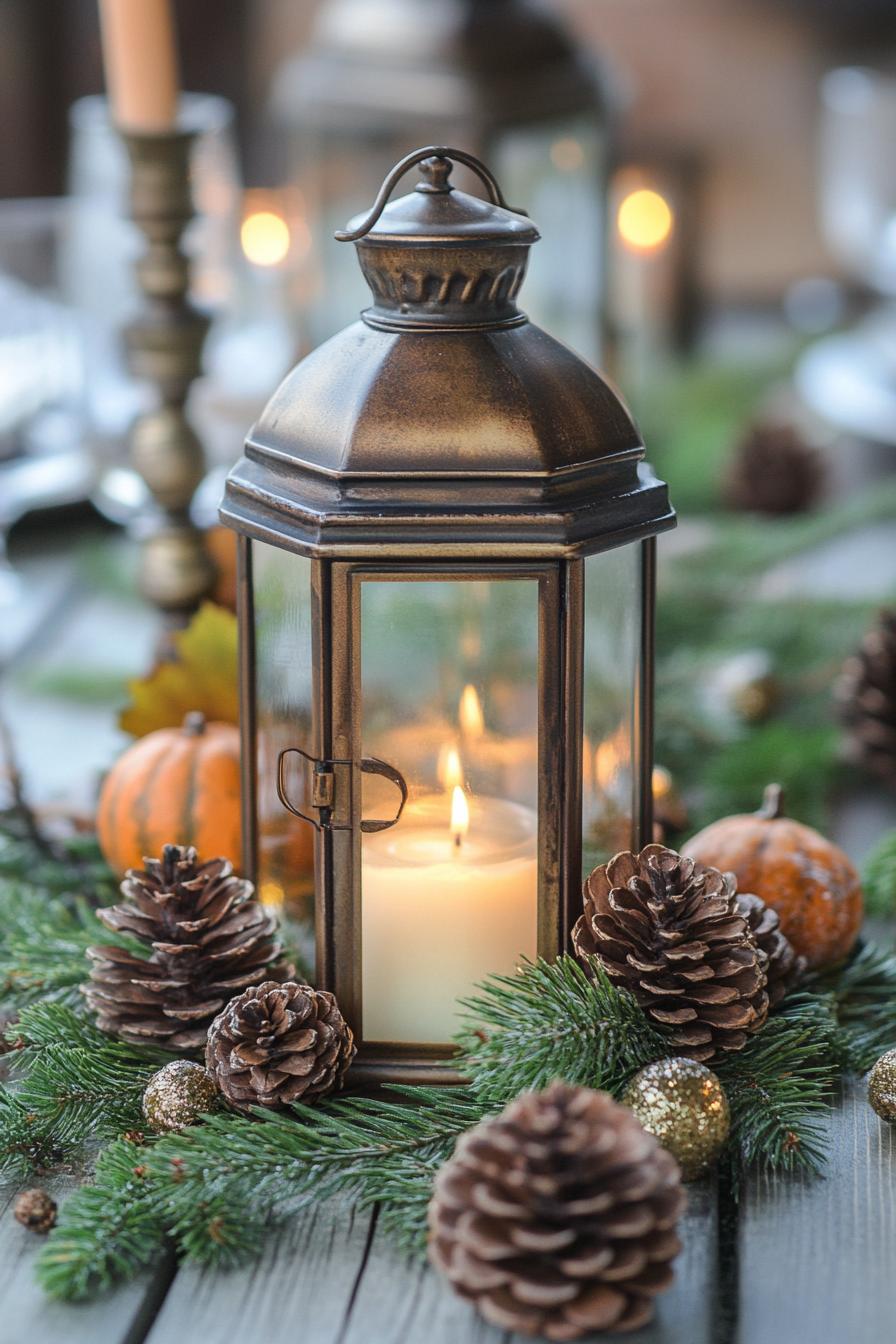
[866,699]
[35,1210]
[774,471]
[557,1217]
[210,937]
[783,968]
[277,1044]
[668,930]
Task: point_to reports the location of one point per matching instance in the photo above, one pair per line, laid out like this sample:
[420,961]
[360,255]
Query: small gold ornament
[682,1103]
[882,1086]
[178,1095]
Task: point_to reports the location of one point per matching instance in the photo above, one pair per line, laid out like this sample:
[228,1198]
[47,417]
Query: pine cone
[774,471]
[277,1044]
[210,937]
[866,698]
[36,1210]
[557,1217]
[783,968]
[668,930]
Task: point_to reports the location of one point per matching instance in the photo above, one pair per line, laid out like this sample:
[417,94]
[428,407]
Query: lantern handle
[417,156]
[323,788]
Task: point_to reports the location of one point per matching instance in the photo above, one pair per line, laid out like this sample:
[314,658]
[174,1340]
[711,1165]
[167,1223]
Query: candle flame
[460,815]
[661,782]
[450,769]
[472,720]
[644,220]
[606,763]
[264,236]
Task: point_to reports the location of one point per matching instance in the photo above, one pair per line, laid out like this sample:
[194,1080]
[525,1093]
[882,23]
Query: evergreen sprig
[110,1229]
[863,1003]
[879,878]
[75,1080]
[553,1020]
[780,1086]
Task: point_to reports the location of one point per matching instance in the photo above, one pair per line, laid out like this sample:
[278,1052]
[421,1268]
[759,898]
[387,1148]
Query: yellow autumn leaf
[202,676]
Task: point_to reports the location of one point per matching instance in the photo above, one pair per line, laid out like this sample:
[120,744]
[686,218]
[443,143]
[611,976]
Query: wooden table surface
[802,1261]
[805,1261]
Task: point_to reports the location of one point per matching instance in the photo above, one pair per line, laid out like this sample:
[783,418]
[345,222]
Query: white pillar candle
[438,916]
[141,63]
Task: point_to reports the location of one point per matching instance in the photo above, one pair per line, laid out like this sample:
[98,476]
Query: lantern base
[418,1066]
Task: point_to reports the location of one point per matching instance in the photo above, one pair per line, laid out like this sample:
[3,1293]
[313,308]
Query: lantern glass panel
[283,672]
[450,697]
[612,626]
[559,169]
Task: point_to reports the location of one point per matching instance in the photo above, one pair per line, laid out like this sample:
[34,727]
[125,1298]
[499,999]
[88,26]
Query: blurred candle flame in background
[449,768]
[264,236]
[472,719]
[644,220]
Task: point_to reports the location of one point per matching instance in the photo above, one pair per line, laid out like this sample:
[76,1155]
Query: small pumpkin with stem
[809,881]
[174,786]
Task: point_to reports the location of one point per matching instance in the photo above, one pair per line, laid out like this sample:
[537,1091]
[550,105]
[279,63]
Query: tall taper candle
[141,63]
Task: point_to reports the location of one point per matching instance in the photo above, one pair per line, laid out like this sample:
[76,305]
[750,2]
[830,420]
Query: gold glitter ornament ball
[882,1087]
[682,1103]
[178,1095]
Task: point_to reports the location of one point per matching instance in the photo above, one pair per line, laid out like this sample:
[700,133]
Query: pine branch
[25,1142]
[780,1086]
[218,1187]
[879,878]
[863,995]
[108,1230]
[372,1151]
[75,1084]
[553,1020]
[43,942]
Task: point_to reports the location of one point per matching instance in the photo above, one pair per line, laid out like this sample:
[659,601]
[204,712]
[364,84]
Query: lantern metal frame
[402,510]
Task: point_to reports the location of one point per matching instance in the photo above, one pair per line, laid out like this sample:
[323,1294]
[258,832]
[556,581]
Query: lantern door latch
[323,789]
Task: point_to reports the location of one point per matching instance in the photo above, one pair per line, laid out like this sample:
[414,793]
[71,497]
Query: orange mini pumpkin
[178,786]
[809,881]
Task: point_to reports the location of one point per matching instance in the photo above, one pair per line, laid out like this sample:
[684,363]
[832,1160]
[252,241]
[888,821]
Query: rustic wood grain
[28,1317]
[818,1257]
[300,1290]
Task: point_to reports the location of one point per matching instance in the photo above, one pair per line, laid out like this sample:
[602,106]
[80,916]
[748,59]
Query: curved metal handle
[370,765]
[323,788]
[281,782]
[429,152]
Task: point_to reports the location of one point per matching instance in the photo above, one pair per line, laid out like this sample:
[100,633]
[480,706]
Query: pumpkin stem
[194,723]
[772,803]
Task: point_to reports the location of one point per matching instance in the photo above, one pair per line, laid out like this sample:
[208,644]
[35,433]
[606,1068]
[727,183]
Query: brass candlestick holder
[164,347]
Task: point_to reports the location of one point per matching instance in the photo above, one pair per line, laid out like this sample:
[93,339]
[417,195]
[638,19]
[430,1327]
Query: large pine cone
[210,937]
[774,471]
[866,699]
[668,930]
[783,968]
[557,1217]
[277,1044]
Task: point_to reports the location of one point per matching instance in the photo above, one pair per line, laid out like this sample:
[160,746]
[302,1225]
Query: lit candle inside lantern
[141,63]
[448,897]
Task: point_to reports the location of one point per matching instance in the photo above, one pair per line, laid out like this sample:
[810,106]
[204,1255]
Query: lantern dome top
[444,422]
[438,256]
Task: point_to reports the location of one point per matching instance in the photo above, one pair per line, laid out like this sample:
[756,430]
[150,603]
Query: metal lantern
[446,606]
[504,78]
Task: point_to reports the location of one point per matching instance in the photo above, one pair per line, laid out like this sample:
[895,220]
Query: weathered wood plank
[331,1278]
[399,1302]
[28,1317]
[817,1257]
[301,1289]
